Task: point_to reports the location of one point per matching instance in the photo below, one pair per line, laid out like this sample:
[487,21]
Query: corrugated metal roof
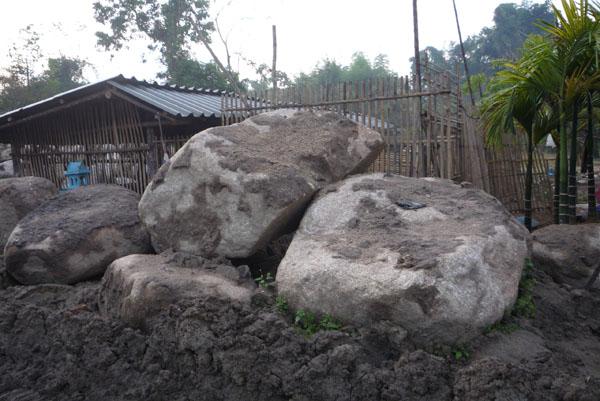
[178,102]
[173,100]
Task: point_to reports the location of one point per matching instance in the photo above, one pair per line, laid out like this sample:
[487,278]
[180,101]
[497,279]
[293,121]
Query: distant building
[121,128]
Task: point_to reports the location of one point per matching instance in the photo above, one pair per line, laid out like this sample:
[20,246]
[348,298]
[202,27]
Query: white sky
[307,31]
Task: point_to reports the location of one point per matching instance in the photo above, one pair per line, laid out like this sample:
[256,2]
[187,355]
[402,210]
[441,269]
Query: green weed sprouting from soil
[460,353]
[502,326]
[281,304]
[525,306]
[265,280]
[305,320]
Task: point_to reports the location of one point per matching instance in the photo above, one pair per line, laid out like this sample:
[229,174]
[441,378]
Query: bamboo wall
[507,169]
[107,134]
[425,132]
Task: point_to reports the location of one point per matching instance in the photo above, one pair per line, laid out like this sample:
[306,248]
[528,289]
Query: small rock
[136,288]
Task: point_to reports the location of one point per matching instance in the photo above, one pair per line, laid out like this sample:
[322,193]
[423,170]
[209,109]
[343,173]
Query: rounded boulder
[440,261]
[568,253]
[75,236]
[230,190]
[19,196]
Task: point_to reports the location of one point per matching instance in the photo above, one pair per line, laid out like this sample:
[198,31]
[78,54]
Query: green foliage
[328,323]
[513,23]
[172,26]
[502,326]
[281,304]
[308,323]
[360,68]
[460,353]
[525,306]
[265,280]
[192,73]
[22,83]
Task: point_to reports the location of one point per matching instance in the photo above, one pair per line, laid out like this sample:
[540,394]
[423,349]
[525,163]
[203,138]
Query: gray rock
[138,287]
[568,253]
[75,236]
[5,152]
[519,346]
[229,190]
[6,169]
[19,196]
[440,261]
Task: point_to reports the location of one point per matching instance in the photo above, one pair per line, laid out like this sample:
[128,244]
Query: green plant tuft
[265,281]
[308,323]
[525,306]
[328,323]
[281,304]
[503,327]
[460,353]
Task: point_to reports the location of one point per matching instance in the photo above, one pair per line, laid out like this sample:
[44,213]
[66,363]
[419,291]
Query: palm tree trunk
[589,144]
[573,166]
[563,208]
[556,185]
[529,181]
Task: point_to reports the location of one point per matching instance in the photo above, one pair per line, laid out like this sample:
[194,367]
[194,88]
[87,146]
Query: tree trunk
[563,209]
[589,145]
[529,181]
[573,166]
[556,185]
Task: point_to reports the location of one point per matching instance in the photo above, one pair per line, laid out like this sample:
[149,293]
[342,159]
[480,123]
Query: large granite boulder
[138,287]
[75,236]
[438,260]
[19,196]
[568,253]
[229,190]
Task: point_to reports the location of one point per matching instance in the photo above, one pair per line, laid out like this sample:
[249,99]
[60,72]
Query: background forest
[174,26]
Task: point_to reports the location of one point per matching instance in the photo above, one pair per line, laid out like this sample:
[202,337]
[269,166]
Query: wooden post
[152,163]
[416,37]
[274,68]
[15,153]
[462,49]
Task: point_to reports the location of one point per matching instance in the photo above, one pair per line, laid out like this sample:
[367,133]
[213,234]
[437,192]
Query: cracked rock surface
[230,190]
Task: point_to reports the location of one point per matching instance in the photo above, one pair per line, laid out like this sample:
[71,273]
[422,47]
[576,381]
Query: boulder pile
[75,236]
[229,190]
[440,261]
[422,258]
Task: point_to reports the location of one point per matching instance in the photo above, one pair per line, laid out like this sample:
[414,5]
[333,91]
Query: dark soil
[55,346]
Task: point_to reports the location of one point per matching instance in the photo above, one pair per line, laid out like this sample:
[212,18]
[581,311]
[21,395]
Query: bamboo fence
[427,133]
[107,135]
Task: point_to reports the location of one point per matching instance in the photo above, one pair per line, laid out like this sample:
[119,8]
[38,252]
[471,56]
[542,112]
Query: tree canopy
[21,84]
[171,26]
[513,23]
[360,68]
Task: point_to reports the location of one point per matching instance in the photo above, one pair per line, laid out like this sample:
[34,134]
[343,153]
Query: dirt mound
[54,345]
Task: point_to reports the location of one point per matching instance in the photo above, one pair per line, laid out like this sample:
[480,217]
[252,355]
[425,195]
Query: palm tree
[518,94]
[574,38]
